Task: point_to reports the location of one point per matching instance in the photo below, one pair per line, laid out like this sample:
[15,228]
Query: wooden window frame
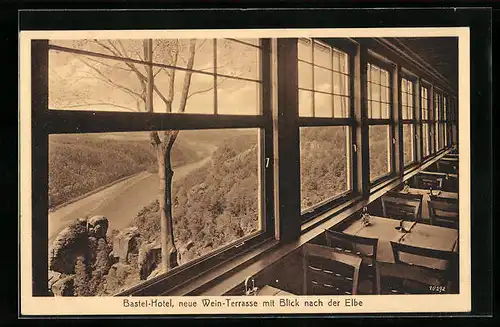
[350,49]
[427,120]
[46,121]
[413,121]
[392,69]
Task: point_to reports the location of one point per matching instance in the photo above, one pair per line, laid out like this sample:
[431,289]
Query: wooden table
[426,198]
[432,237]
[384,230]
[421,235]
[272,291]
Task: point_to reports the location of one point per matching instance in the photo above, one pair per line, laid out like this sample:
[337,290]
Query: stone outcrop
[116,276]
[64,286]
[125,243]
[81,254]
[67,246]
[149,258]
[97,226]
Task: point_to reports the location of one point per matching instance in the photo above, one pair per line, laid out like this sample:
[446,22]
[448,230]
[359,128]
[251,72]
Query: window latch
[393,140]
[355,147]
[267,162]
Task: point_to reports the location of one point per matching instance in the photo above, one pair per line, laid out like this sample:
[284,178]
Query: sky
[81,82]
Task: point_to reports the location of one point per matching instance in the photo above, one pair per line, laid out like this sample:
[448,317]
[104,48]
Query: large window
[175,184]
[324,79]
[425,118]
[408,119]
[380,121]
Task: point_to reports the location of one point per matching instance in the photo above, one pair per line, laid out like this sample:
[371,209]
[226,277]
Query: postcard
[244,171]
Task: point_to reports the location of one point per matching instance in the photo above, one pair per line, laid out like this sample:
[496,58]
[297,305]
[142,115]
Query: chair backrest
[427,181]
[346,243]
[327,271]
[412,197]
[450,256]
[444,212]
[399,206]
[448,167]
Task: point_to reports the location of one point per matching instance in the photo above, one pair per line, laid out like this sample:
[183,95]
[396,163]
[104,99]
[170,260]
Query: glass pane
[436,137]
[341,106]
[384,95]
[305,103]
[215,202]
[344,63]
[380,153]
[305,50]
[322,80]
[425,137]
[404,99]
[178,52]
[324,167]
[237,60]
[408,143]
[237,97]
[340,84]
[384,77]
[344,80]
[305,75]
[322,105]
[375,96]
[78,82]
[375,75]
[386,110]
[322,56]
[200,98]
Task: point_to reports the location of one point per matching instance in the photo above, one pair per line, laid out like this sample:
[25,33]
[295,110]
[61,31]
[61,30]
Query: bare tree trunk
[166,174]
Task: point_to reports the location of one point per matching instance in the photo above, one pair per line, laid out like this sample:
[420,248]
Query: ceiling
[441,53]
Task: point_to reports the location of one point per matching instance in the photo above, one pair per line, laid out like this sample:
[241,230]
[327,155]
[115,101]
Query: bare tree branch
[108,65]
[107,79]
[170,94]
[106,47]
[222,80]
[187,77]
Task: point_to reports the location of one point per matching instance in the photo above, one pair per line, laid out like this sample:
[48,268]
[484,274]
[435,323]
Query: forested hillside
[81,163]
[323,164]
[214,205]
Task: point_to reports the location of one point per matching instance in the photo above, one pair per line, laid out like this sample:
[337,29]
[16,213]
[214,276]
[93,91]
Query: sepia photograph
[194,170]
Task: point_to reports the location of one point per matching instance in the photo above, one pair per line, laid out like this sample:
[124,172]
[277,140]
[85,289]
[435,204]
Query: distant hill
[79,163]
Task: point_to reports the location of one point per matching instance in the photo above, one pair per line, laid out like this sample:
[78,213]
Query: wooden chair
[428,181]
[411,197]
[364,247]
[409,278]
[447,167]
[399,206]
[443,212]
[328,272]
